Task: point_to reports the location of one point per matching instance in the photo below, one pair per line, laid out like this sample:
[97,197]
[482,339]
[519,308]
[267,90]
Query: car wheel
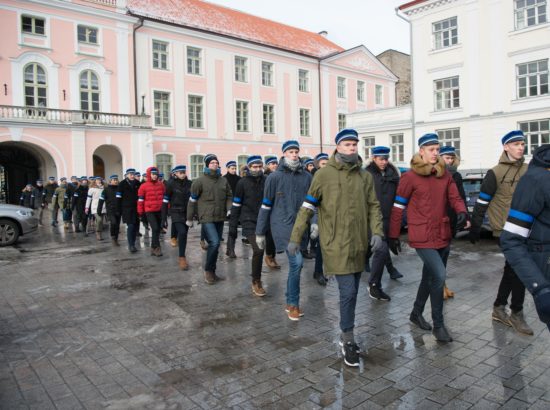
[9,232]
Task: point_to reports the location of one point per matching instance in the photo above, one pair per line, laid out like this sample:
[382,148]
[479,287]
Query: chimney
[324,33]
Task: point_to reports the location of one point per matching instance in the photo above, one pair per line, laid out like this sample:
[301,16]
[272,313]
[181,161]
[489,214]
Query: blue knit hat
[230,164]
[154,170]
[39,180]
[346,134]
[307,162]
[210,157]
[74,177]
[130,171]
[114,176]
[428,139]
[513,136]
[62,179]
[381,151]
[83,178]
[179,168]
[91,178]
[447,150]
[290,144]
[161,175]
[51,178]
[271,160]
[321,156]
[137,174]
[254,159]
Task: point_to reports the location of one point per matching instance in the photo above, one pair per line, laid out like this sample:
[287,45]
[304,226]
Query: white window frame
[361,91]
[242,159]
[87,42]
[369,143]
[169,108]
[245,125]
[270,128]
[33,25]
[525,126]
[194,173]
[540,76]
[35,85]
[341,88]
[163,168]
[342,120]
[305,122]
[447,94]
[522,11]
[450,137]
[202,125]
[397,147]
[90,91]
[303,83]
[160,53]
[271,74]
[447,34]
[193,60]
[378,94]
[240,72]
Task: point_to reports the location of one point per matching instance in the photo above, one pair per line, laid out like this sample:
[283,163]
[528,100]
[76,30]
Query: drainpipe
[412,77]
[320,108]
[136,28]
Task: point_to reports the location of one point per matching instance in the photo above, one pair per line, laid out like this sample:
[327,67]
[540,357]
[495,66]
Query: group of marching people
[350,212]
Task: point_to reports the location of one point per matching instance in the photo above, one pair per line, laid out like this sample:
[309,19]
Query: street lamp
[143,104]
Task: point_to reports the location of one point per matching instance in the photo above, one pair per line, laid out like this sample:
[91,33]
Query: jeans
[379,260]
[318,257]
[203,233]
[131,232]
[154,220]
[510,283]
[433,278]
[295,264]
[181,233]
[114,222]
[348,285]
[213,233]
[257,255]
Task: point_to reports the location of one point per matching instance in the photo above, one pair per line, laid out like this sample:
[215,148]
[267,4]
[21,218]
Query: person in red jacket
[150,196]
[426,191]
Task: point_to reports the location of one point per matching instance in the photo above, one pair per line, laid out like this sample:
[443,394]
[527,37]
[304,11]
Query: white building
[480,69]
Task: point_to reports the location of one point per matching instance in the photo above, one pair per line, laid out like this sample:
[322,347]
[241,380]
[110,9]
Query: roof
[201,15]
[410,4]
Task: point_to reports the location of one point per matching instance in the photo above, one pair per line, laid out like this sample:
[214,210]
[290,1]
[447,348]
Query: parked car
[15,221]
[472,187]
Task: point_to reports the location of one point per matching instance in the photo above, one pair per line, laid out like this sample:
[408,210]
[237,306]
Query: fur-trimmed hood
[421,167]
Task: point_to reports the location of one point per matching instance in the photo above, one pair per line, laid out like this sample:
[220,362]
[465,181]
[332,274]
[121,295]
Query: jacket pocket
[418,232]
[445,229]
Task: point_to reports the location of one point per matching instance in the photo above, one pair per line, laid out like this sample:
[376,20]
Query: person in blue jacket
[525,239]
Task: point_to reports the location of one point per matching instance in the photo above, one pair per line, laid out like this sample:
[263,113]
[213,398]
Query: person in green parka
[343,195]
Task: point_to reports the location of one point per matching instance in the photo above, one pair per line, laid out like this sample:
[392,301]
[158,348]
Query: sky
[349,23]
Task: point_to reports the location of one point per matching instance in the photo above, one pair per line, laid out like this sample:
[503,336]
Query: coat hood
[541,157]
[507,161]
[149,175]
[420,167]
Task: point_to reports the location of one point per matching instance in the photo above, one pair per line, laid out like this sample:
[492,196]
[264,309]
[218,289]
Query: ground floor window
[536,133]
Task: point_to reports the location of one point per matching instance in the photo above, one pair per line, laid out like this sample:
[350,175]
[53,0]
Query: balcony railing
[39,115]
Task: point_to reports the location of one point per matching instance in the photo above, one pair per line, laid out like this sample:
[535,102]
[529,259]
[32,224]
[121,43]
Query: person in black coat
[176,198]
[386,180]
[78,206]
[127,196]
[233,179]
[108,199]
[27,197]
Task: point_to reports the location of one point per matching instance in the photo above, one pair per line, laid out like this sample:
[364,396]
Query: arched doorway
[22,163]
[107,161]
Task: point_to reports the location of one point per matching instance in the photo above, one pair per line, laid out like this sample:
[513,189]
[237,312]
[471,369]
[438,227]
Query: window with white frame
[397,148]
[361,91]
[529,13]
[241,160]
[446,94]
[450,137]
[269,118]
[89,91]
[267,74]
[33,25]
[241,69]
[193,60]
[162,108]
[196,165]
[532,78]
[379,94]
[370,143]
[536,133]
[195,110]
[341,121]
[165,164]
[241,108]
[304,122]
[160,55]
[303,81]
[341,87]
[35,83]
[87,34]
[445,33]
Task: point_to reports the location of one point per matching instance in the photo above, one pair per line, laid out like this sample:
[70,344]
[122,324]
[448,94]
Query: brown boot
[174,242]
[209,277]
[257,288]
[276,265]
[98,236]
[447,293]
[115,241]
[183,263]
[270,262]
[158,251]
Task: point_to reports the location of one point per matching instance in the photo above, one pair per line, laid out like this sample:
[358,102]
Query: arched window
[35,85]
[89,91]
[165,164]
[197,165]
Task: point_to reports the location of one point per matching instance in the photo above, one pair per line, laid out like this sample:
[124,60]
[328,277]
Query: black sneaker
[351,354]
[395,274]
[419,321]
[357,348]
[377,293]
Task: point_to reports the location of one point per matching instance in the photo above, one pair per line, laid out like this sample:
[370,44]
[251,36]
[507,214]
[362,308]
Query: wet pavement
[85,325]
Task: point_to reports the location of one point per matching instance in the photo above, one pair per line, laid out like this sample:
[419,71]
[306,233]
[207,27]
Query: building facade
[479,70]
[399,63]
[93,87]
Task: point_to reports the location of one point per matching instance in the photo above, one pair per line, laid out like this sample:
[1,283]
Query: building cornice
[421,6]
[84,9]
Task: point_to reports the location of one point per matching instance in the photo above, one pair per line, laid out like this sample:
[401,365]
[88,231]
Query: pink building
[94,87]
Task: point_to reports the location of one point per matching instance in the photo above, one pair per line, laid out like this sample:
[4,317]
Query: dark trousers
[269,244]
[181,233]
[213,233]
[434,272]
[131,233]
[318,257]
[114,225]
[379,260]
[154,220]
[510,283]
[79,217]
[257,256]
[174,231]
[348,285]
[55,210]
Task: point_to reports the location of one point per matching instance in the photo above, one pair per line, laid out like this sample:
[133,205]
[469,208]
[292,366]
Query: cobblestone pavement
[86,326]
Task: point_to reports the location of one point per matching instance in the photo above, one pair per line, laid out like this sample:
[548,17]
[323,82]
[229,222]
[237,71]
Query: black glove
[395,245]
[461,219]
[542,303]
[475,233]
[233,232]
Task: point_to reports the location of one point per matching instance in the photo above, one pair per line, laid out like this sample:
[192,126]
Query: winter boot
[447,293]
[174,242]
[500,315]
[518,323]
[257,288]
[230,252]
[182,262]
[209,277]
